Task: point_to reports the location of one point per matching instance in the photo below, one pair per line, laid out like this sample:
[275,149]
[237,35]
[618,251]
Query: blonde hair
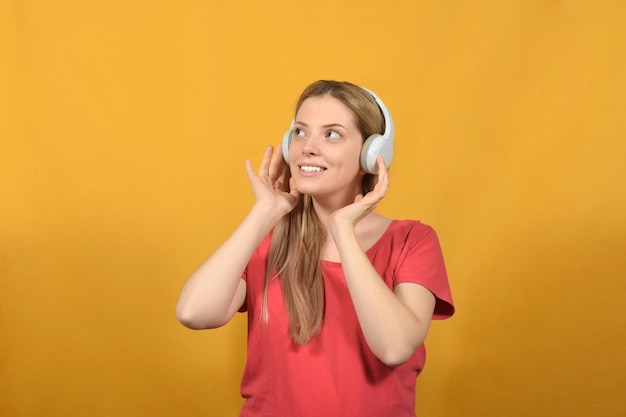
[298,239]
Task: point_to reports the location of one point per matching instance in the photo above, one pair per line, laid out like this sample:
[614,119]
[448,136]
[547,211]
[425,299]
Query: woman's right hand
[273,185]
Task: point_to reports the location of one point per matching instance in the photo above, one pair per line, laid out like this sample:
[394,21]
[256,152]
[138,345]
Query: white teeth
[307,168]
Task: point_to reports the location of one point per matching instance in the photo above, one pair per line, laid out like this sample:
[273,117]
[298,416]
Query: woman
[339,298]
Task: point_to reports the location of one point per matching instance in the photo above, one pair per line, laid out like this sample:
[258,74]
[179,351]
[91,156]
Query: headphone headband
[389,128]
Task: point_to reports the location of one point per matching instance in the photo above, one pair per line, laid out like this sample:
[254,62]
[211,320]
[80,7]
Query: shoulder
[408,245]
[420,260]
[410,231]
[404,239]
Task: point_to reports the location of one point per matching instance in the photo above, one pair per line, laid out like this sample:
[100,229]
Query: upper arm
[421,275]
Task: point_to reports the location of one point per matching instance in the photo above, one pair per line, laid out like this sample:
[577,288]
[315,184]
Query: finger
[292,188]
[279,169]
[383,175]
[283,170]
[265,163]
[250,169]
[382,166]
[277,163]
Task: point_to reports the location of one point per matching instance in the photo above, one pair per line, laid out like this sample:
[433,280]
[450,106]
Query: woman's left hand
[363,205]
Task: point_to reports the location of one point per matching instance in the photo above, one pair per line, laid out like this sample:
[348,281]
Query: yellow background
[124,126]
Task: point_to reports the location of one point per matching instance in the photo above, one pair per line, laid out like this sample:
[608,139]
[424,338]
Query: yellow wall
[123,130]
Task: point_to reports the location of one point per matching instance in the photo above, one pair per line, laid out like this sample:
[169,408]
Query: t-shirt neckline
[372,248]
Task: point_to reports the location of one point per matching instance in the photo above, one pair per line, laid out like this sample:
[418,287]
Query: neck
[325,207]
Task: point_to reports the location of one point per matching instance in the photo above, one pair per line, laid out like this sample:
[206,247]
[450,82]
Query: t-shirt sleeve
[421,262]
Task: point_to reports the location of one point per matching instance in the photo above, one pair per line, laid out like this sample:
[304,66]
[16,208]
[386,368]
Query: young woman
[339,298]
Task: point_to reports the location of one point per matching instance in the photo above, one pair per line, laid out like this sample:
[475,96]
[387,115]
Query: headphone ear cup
[286,142]
[365,154]
[372,147]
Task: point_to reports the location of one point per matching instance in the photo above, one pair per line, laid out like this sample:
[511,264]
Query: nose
[310,147]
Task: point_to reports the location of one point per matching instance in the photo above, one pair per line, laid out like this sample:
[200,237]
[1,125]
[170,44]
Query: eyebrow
[297,122]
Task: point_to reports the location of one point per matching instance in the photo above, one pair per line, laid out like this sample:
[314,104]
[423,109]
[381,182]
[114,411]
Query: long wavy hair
[298,239]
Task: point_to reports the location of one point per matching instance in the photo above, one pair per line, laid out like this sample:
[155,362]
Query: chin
[307,190]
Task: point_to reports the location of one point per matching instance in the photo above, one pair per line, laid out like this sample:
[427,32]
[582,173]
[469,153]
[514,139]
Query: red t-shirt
[336,374]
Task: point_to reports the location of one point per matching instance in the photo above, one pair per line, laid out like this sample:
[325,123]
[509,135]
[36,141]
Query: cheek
[293,168]
[355,160]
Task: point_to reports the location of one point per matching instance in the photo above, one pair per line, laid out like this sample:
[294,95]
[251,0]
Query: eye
[298,132]
[333,135]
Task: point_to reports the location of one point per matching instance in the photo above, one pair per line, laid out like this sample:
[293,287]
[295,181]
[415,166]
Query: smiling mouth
[310,168]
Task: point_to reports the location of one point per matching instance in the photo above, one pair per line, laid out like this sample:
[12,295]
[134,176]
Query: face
[325,150]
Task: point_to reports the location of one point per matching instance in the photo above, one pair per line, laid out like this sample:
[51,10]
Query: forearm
[209,297]
[392,331]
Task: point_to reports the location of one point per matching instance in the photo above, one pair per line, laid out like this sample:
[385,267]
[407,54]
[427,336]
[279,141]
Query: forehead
[324,110]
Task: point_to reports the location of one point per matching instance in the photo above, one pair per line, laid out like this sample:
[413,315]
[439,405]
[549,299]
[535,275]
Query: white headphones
[373,146]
